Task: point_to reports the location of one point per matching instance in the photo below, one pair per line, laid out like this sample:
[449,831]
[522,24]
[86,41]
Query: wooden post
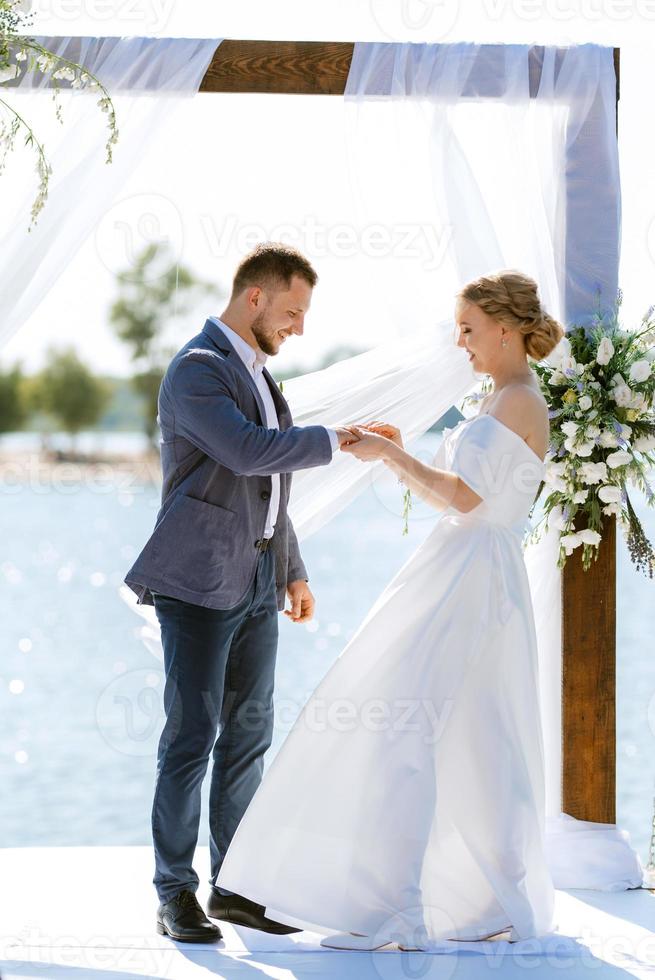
[589,673]
[588,682]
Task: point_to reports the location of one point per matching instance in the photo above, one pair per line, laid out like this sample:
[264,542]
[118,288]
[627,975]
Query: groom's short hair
[272,265]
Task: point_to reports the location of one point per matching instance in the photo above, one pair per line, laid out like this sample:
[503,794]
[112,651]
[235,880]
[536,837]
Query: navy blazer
[217,456]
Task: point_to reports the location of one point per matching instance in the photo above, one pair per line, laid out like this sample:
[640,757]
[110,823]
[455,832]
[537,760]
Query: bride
[407,803]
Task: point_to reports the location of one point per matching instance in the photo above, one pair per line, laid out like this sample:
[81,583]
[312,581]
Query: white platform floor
[88,912]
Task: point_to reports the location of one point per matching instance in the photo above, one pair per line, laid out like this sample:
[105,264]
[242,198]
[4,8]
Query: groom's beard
[263,336]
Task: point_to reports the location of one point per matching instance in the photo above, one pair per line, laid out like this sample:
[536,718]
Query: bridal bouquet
[18,53]
[600,387]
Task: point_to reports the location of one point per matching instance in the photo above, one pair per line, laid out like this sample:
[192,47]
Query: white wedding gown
[408,799]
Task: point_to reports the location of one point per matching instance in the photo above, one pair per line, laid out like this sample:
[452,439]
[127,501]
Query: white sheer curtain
[149,80]
[498,148]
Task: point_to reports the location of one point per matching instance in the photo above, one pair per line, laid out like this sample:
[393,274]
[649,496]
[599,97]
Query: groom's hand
[347,436]
[302,601]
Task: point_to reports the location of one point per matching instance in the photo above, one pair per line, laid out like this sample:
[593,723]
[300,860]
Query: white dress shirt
[255,361]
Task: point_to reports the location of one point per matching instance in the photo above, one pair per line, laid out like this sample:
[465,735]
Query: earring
[504,342]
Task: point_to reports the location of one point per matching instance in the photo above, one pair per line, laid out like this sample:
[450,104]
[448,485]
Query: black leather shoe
[242,912]
[182,918]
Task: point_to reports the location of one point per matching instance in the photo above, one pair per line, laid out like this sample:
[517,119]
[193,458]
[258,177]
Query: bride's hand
[371,446]
[385,429]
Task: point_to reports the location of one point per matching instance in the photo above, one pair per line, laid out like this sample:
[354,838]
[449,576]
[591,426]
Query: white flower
[589,537]
[562,350]
[619,458]
[618,379]
[593,472]
[650,354]
[570,428]
[609,494]
[6,74]
[569,542]
[580,496]
[581,449]
[21,55]
[557,378]
[595,384]
[612,509]
[643,444]
[592,431]
[622,395]
[605,351]
[569,364]
[555,469]
[66,74]
[608,439]
[626,431]
[585,403]
[640,371]
[638,401]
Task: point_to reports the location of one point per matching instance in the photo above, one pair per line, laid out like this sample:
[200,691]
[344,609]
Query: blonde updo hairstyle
[512,298]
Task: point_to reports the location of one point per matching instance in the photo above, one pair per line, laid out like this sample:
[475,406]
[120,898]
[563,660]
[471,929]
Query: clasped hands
[369,441]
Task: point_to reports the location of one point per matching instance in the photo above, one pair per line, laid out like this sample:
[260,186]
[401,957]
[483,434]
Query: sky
[242,167]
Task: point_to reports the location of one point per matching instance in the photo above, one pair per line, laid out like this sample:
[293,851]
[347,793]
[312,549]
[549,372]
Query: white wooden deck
[72,913]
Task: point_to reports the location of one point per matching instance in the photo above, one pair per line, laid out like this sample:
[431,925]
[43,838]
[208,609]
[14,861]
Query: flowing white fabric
[420,811]
[149,80]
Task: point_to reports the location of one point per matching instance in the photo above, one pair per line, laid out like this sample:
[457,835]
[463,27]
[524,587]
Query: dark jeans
[219,667]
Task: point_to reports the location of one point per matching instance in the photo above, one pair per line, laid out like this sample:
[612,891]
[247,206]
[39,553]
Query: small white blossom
[643,444]
[612,509]
[609,494]
[580,496]
[66,74]
[569,542]
[593,472]
[640,371]
[585,448]
[569,364]
[622,395]
[585,403]
[589,537]
[569,428]
[605,351]
[562,350]
[608,439]
[619,458]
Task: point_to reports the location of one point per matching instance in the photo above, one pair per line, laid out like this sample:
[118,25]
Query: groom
[217,566]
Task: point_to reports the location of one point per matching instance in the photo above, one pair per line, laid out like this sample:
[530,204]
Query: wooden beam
[280,67]
[321,68]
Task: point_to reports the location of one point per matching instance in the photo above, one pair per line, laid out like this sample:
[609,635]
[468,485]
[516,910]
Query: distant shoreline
[119,471]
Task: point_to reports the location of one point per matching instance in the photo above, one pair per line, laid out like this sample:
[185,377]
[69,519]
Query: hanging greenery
[21,54]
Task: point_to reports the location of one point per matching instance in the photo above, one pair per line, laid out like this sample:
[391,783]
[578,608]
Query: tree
[152,294]
[69,392]
[13,407]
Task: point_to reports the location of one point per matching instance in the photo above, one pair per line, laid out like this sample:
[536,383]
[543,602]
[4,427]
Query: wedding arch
[570,242]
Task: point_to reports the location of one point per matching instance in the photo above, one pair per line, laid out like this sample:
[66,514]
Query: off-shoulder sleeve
[471,458]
